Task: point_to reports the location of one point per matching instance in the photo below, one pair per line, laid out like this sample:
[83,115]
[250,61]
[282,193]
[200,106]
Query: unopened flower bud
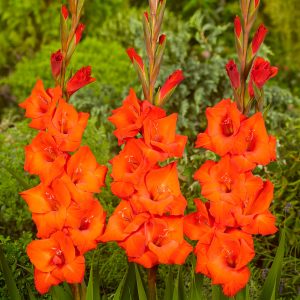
[171,83]
[80,79]
[146,15]
[78,33]
[233,74]
[64,12]
[135,57]
[162,39]
[56,63]
[237,26]
[258,38]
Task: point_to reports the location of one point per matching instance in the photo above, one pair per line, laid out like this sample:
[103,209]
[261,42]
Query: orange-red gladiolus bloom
[161,193]
[160,135]
[201,225]
[67,126]
[129,118]
[225,187]
[161,241]
[44,158]
[129,168]
[253,144]
[84,175]
[225,260]
[123,222]
[48,205]
[254,217]
[224,121]
[40,105]
[85,223]
[55,260]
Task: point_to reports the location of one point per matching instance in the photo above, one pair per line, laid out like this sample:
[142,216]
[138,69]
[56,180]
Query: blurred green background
[200,41]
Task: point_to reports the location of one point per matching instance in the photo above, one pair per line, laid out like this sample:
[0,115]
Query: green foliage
[110,66]
[284,21]
[25,26]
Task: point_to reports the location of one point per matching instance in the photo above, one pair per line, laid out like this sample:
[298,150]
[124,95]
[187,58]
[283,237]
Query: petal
[147,260]
[41,252]
[44,280]
[73,272]
[263,224]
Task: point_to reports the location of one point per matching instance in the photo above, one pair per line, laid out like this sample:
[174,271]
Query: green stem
[76,291]
[152,283]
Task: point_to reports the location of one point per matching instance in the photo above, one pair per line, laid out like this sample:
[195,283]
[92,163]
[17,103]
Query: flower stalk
[152,283]
[243,93]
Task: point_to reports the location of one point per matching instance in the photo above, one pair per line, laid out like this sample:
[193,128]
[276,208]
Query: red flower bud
[146,15]
[259,38]
[262,71]
[237,26]
[162,39]
[173,81]
[233,74]
[64,12]
[81,78]
[135,57]
[256,3]
[78,33]
[56,62]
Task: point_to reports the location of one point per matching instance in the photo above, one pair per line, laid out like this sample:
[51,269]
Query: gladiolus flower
[224,121]
[55,260]
[123,222]
[171,83]
[84,175]
[78,33]
[129,118]
[233,74]
[56,63]
[85,223]
[225,187]
[129,168]
[44,158]
[254,217]
[161,193]
[135,57]
[201,225]
[161,242]
[258,38]
[226,260]
[67,126]
[48,205]
[161,135]
[253,143]
[80,79]
[237,26]
[41,105]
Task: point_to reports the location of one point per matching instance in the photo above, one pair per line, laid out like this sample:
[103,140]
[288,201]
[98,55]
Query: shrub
[110,67]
